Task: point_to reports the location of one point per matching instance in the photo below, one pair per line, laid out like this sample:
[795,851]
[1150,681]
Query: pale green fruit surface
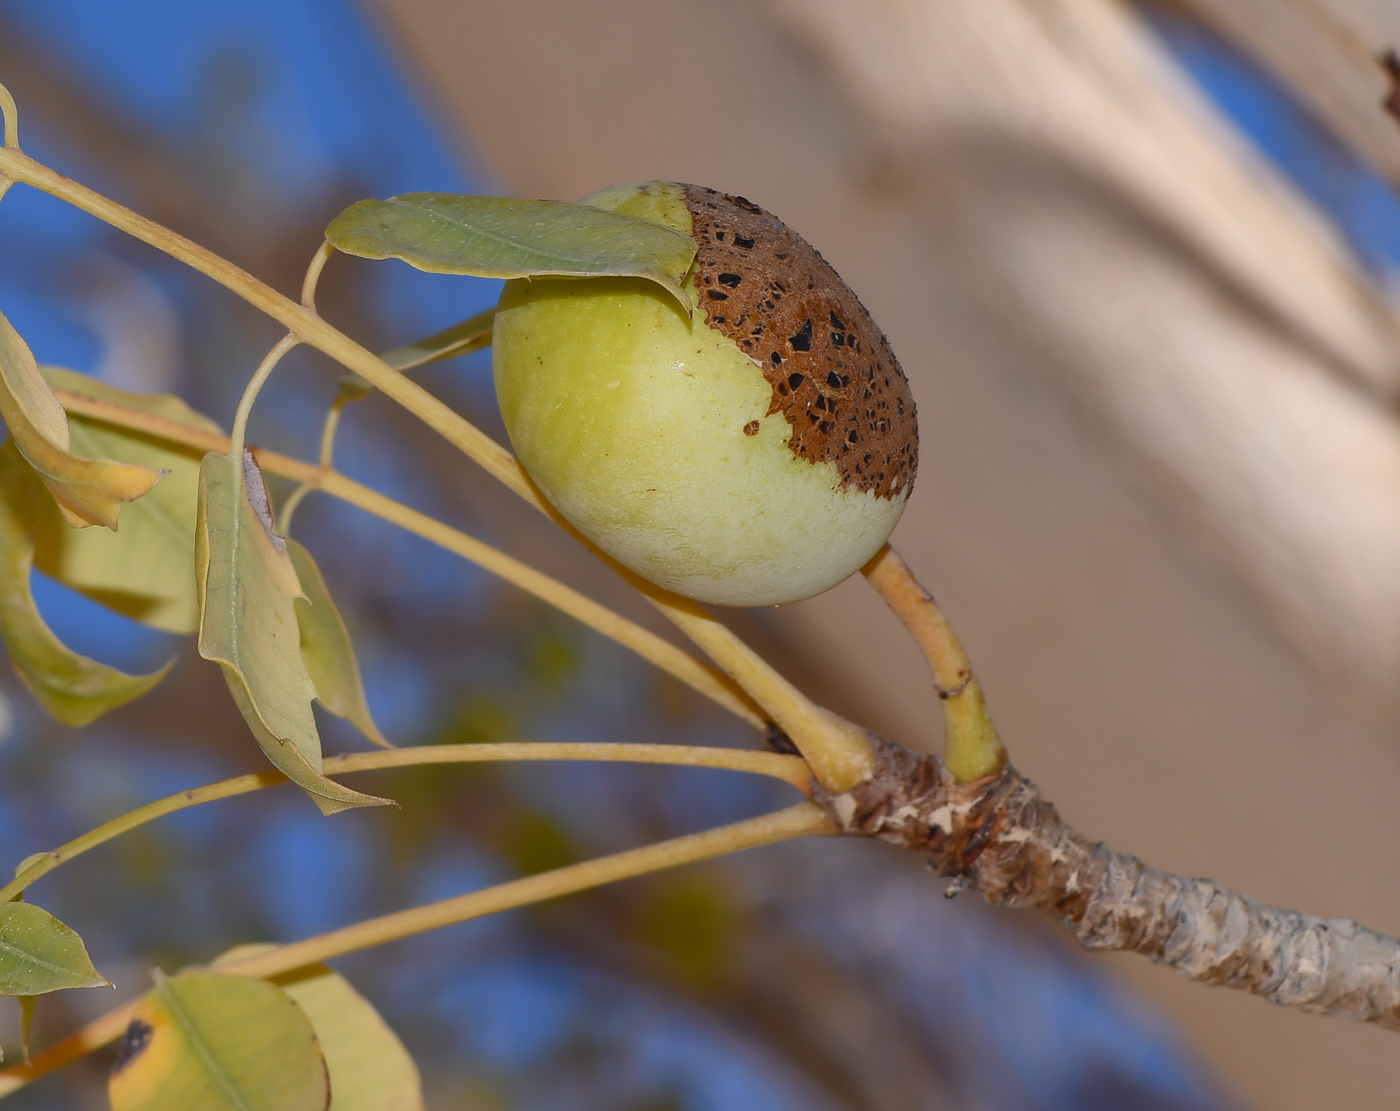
[651,433]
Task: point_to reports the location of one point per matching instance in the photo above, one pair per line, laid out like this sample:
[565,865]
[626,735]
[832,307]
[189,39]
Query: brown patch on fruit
[834,377]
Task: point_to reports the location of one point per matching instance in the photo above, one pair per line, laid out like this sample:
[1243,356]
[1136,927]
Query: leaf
[73,688]
[88,491]
[369,1067]
[211,1041]
[39,954]
[248,625]
[505,237]
[145,570]
[326,648]
[462,338]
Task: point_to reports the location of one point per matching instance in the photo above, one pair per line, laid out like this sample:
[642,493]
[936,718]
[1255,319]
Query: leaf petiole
[790,769]
[803,820]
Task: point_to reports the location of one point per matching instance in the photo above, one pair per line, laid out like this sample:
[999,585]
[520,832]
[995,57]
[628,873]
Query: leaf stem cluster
[806,819]
[835,753]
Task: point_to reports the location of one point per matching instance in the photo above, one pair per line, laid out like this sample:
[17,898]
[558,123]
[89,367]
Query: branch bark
[1002,839]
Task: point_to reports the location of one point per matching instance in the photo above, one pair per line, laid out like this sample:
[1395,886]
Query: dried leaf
[145,570]
[505,237]
[211,1041]
[369,1067]
[326,648]
[39,954]
[73,688]
[248,625]
[89,491]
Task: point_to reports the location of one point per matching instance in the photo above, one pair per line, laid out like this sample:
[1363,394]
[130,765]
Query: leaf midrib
[200,1047]
[503,241]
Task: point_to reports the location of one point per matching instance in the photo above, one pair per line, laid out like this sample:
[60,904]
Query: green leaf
[213,1041]
[462,338]
[73,688]
[145,570]
[88,491]
[504,237]
[369,1067]
[248,625]
[39,954]
[326,648]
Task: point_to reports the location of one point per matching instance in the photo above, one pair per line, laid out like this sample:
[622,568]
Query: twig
[1008,843]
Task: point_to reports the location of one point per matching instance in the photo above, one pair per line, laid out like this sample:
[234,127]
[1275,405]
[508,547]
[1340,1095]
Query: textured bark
[1002,839]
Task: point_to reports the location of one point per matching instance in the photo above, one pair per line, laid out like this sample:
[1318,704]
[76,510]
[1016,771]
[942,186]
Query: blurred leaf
[248,625]
[73,688]
[326,648]
[209,1041]
[478,719]
[534,842]
[462,338]
[554,660]
[88,491]
[691,921]
[504,237]
[145,570]
[39,954]
[369,1067]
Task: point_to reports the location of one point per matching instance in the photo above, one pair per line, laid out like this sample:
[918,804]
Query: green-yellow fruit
[756,453]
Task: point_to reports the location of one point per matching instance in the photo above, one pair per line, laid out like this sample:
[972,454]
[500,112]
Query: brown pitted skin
[833,375]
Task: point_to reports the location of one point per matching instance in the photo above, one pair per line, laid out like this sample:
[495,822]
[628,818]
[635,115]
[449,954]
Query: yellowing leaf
[248,625]
[211,1041]
[39,954]
[369,1067]
[326,648]
[88,491]
[505,237]
[145,570]
[73,688]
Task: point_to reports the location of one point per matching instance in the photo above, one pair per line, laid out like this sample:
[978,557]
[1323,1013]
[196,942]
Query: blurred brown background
[1160,494]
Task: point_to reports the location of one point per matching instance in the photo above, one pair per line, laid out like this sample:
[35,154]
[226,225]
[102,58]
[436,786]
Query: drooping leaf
[88,491]
[73,688]
[248,625]
[505,237]
[369,1067]
[39,954]
[213,1041]
[326,648]
[144,570]
[462,338]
